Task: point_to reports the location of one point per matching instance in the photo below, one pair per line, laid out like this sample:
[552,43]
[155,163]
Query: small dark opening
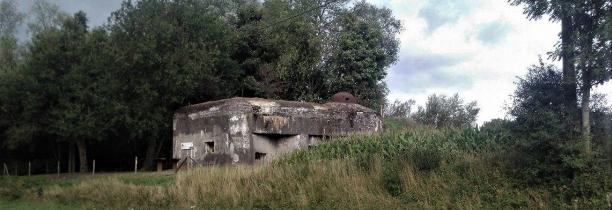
[211,145]
[346,99]
[259,156]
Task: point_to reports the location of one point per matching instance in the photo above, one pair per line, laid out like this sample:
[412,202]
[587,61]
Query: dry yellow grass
[332,185]
[288,187]
[335,184]
[412,170]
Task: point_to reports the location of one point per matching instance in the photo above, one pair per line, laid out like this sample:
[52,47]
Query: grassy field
[420,169]
[34,205]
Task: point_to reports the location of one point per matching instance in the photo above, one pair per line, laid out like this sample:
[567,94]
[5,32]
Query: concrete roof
[238,102]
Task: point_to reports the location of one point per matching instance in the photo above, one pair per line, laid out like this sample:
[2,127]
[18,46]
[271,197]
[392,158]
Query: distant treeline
[108,93]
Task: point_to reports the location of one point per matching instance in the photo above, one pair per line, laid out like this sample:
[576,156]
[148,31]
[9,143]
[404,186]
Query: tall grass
[335,184]
[419,169]
[422,146]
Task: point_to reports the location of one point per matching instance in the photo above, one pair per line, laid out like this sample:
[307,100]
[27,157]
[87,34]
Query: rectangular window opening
[260,155]
[210,146]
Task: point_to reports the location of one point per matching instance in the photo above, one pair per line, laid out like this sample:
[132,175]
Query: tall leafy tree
[301,79]
[257,51]
[62,92]
[562,11]
[45,16]
[63,82]
[399,109]
[10,19]
[310,49]
[167,54]
[585,45]
[278,51]
[546,150]
[594,54]
[363,46]
[441,111]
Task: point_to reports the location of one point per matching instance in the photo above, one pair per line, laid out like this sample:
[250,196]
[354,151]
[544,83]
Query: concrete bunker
[251,130]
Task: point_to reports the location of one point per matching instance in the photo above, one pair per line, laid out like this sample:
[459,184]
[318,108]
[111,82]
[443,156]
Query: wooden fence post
[29,168]
[58,168]
[6,172]
[93,170]
[136,164]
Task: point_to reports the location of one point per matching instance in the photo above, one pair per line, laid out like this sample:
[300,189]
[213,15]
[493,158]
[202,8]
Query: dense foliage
[548,147]
[440,111]
[585,48]
[546,150]
[116,87]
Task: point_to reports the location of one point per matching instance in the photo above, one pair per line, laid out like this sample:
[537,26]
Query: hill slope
[423,169]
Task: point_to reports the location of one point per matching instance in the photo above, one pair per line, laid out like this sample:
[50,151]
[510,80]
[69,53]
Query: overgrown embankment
[423,169]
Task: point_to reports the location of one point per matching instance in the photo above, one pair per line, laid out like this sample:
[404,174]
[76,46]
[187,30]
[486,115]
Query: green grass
[34,205]
[417,169]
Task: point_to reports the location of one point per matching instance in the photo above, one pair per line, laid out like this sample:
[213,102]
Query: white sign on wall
[187,145]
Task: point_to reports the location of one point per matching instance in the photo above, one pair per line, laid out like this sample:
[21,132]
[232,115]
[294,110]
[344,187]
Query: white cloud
[491,68]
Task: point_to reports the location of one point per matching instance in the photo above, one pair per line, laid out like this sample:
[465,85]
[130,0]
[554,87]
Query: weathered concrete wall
[250,129]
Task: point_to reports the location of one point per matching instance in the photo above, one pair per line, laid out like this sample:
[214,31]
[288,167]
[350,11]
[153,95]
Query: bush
[547,147]
[11,189]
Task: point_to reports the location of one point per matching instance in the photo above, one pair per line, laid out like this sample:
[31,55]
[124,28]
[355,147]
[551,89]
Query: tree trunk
[586,114]
[568,56]
[59,151]
[160,145]
[71,158]
[608,131]
[150,154]
[82,156]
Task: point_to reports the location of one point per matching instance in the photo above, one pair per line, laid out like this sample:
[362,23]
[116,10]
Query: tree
[326,48]
[45,16]
[65,100]
[120,84]
[594,54]
[399,109]
[546,150]
[279,52]
[363,45]
[10,19]
[536,106]
[601,117]
[559,11]
[167,54]
[585,45]
[441,111]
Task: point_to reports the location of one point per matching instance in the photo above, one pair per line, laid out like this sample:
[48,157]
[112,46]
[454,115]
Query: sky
[475,48]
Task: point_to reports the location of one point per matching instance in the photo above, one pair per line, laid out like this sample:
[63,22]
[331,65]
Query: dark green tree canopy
[120,84]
